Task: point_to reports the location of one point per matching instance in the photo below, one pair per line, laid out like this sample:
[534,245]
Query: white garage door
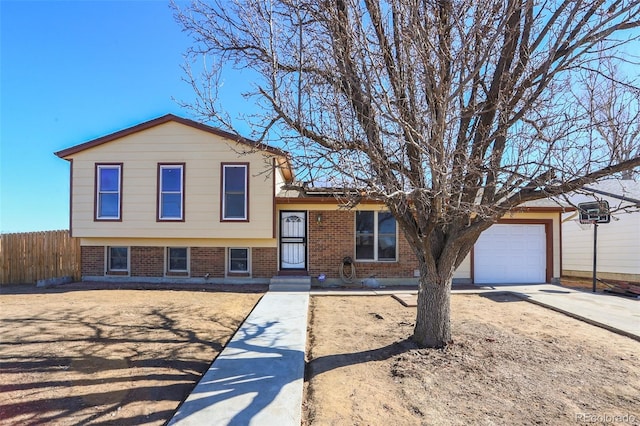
[510,254]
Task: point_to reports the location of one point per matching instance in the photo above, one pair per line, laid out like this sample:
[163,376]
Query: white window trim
[246,191]
[108,259]
[161,192]
[168,263]
[375,239]
[100,167]
[228,262]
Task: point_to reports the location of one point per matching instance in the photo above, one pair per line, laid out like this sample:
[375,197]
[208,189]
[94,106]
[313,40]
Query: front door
[293,240]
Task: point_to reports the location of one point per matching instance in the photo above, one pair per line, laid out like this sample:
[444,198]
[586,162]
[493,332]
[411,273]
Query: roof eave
[65,153]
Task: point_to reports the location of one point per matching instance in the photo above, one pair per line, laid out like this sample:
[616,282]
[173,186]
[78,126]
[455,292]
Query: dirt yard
[125,357]
[128,357]
[511,362]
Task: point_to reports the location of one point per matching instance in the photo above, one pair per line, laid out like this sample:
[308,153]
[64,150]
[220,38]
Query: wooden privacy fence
[32,256]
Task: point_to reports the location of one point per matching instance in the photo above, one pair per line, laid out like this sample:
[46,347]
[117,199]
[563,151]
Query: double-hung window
[108,192]
[376,236]
[235,192]
[171,192]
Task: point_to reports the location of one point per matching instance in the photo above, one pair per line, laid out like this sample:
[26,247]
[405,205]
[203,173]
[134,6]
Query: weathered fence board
[28,257]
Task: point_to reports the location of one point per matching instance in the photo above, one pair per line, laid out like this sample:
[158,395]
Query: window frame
[223,193]
[229,259]
[109,268]
[376,233]
[168,260]
[97,191]
[160,192]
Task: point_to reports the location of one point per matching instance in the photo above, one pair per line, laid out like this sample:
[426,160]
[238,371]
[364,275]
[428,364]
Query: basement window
[238,260]
[177,259]
[118,259]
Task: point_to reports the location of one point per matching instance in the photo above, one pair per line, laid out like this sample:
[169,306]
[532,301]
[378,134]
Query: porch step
[290,283]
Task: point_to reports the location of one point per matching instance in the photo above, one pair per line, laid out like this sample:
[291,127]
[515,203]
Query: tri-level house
[174,200]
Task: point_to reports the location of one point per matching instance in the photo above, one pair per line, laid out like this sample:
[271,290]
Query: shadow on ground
[117,357]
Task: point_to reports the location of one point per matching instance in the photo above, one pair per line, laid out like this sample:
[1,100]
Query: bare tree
[450,112]
[613,102]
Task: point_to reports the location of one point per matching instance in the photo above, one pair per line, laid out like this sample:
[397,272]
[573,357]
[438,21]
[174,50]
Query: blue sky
[71,71]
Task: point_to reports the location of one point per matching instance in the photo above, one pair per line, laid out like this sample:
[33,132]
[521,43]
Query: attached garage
[513,253]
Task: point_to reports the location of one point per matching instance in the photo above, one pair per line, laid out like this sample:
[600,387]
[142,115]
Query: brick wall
[147,261]
[329,241]
[92,260]
[264,262]
[334,238]
[150,262]
[207,260]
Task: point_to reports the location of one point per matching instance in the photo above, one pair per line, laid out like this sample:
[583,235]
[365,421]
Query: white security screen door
[293,240]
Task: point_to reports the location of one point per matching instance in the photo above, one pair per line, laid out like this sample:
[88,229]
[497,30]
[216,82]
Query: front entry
[293,241]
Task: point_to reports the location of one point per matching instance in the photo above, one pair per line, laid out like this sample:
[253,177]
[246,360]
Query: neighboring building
[173,200]
[618,255]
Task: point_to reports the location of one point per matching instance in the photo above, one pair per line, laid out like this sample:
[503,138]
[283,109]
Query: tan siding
[171,142]
[279,181]
[177,242]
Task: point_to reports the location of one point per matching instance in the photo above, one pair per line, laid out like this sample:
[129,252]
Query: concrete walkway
[615,313]
[258,378]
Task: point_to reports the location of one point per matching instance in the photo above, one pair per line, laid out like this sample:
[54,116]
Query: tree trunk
[433,325]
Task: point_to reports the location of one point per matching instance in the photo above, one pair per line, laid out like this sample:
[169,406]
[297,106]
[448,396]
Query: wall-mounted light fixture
[319,217]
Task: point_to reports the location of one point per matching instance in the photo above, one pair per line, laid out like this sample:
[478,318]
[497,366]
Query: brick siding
[147,261]
[333,238]
[329,241]
[150,262]
[264,262]
[92,258]
[207,260]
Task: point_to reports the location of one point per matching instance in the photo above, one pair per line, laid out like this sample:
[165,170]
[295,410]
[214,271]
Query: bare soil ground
[127,357]
[511,362]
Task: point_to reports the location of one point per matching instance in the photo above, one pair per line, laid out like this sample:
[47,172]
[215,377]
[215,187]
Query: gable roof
[165,119]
